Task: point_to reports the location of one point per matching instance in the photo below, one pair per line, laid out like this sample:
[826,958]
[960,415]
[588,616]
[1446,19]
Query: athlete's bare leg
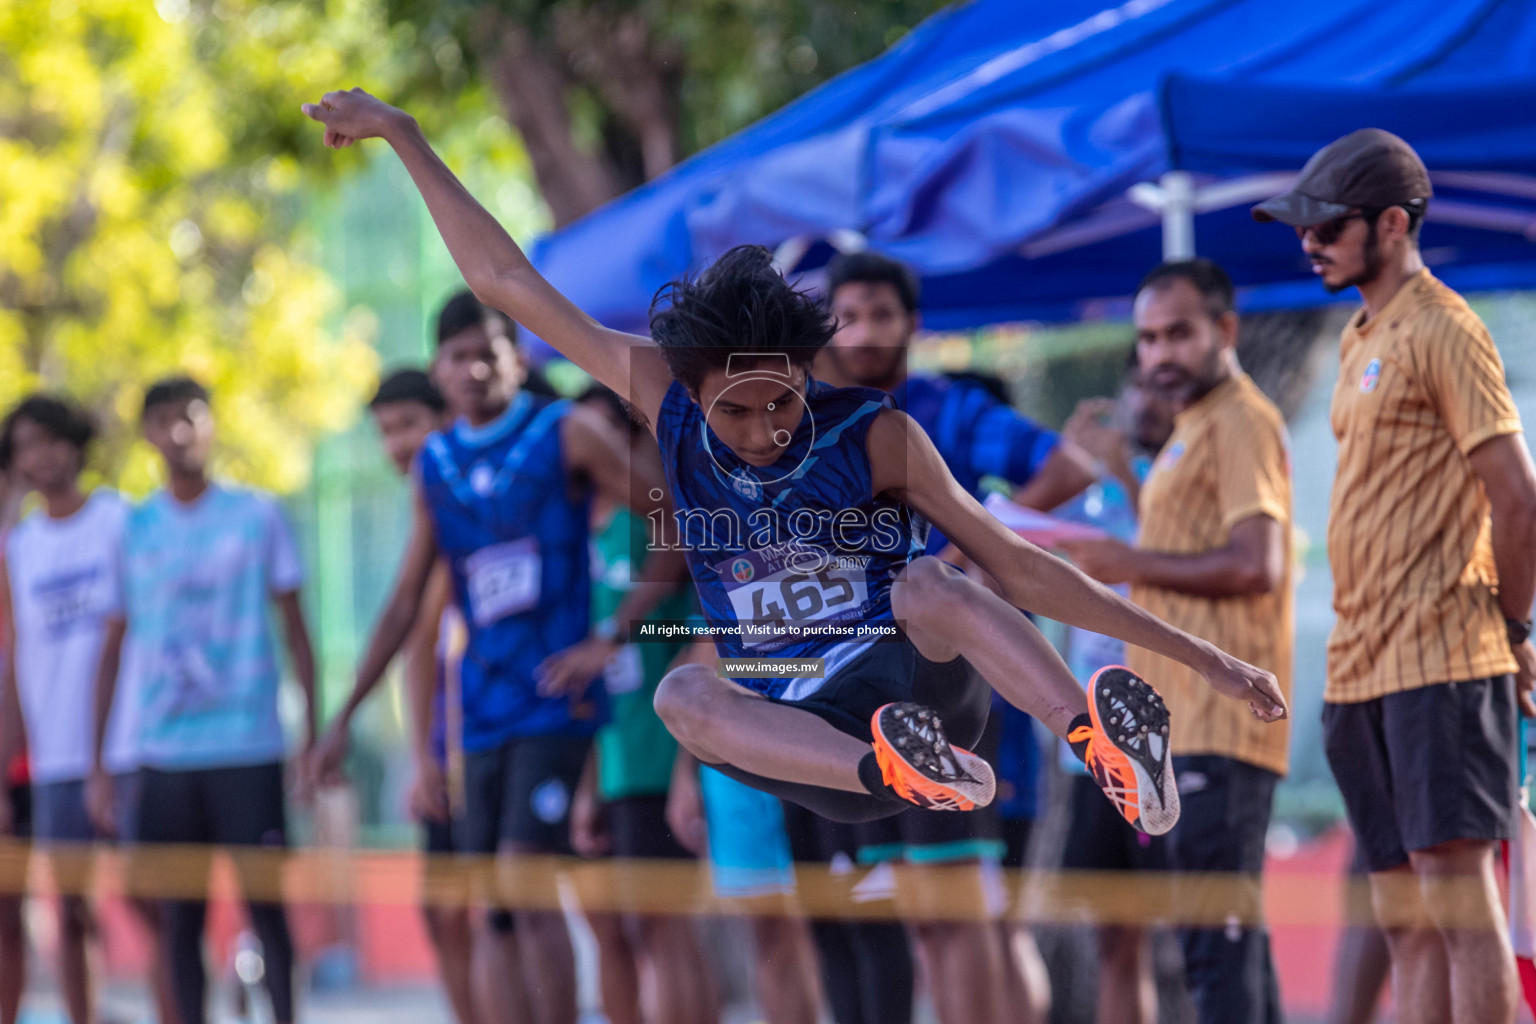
[1127,987]
[948,615]
[13,957]
[788,985]
[618,975]
[77,934]
[1026,980]
[680,988]
[452,933]
[1421,977]
[1468,915]
[721,723]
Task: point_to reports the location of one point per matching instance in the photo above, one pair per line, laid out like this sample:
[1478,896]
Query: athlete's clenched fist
[353,114]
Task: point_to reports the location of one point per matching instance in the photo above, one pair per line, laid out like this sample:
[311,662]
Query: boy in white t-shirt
[58,590]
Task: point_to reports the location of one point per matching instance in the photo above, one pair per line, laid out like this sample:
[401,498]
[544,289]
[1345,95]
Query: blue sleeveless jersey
[793,560]
[517,545]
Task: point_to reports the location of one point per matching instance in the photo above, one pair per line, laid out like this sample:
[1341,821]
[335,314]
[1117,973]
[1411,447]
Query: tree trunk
[532,85]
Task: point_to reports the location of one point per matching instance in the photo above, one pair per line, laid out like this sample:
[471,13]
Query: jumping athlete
[800,507]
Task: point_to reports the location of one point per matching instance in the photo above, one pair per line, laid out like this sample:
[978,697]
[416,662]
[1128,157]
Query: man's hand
[1105,559]
[101,802]
[685,812]
[324,762]
[428,800]
[1091,428]
[1242,681]
[589,826]
[352,115]
[1525,677]
[569,672]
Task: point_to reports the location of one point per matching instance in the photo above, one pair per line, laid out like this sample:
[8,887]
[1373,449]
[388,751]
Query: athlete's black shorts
[1099,839]
[638,825]
[1426,766]
[520,792]
[446,883]
[885,672]
[892,670]
[940,837]
[437,837]
[817,840]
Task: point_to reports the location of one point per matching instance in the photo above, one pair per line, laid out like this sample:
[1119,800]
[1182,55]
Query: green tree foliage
[153,172]
[607,94]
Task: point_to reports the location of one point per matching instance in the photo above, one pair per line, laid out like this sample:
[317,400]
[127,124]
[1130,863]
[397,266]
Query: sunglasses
[1329,231]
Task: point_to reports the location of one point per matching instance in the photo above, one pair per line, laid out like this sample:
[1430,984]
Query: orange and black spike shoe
[917,761]
[1128,752]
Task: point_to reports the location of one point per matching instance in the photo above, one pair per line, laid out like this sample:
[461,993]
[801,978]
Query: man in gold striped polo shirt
[1213,557]
[1432,541]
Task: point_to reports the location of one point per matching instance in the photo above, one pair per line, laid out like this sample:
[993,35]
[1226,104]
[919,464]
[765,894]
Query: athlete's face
[182,432]
[755,412]
[478,371]
[403,427]
[873,332]
[43,460]
[1182,349]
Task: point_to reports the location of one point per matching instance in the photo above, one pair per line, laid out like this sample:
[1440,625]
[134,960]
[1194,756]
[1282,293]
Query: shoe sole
[1131,715]
[910,742]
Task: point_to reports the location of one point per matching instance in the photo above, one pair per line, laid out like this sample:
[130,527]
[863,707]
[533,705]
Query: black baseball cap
[1369,169]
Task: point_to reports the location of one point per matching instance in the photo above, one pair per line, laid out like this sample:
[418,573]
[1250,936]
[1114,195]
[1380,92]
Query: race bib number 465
[776,605]
[503,580]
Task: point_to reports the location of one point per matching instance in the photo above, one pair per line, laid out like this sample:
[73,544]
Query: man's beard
[1188,388]
[1370,257]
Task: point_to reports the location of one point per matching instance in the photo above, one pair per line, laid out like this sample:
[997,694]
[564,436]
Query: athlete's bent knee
[929,588]
[685,698]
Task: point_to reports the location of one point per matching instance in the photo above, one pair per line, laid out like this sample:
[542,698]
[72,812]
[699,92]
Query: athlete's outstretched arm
[493,265]
[906,465]
[389,635]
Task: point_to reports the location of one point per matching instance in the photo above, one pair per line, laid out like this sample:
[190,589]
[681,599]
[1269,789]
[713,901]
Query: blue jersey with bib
[796,559]
[517,545]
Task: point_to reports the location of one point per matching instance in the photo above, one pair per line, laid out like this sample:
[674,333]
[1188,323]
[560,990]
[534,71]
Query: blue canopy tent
[1031,161]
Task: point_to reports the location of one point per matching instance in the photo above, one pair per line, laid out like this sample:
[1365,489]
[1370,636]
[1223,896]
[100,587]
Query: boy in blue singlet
[502,496]
[800,508]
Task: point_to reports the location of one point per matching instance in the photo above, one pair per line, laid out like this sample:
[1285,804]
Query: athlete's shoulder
[891,432]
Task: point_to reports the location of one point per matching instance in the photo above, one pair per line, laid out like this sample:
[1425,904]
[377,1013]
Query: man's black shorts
[638,825]
[520,793]
[920,836]
[888,671]
[1100,839]
[1426,766]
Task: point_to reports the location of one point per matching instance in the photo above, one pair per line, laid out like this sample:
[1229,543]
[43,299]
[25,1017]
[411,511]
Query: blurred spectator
[620,807]
[60,587]
[1212,556]
[1123,435]
[202,565]
[972,967]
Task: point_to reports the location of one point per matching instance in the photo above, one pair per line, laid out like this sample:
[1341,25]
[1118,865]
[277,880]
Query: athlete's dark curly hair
[739,304]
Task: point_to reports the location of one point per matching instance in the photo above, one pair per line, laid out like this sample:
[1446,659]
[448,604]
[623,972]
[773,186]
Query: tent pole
[1178,198]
